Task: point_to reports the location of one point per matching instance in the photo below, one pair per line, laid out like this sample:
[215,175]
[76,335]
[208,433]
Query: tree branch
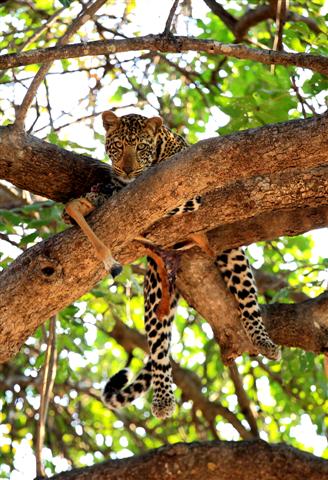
[229,20]
[241,26]
[282,191]
[176,44]
[209,461]
[167,29]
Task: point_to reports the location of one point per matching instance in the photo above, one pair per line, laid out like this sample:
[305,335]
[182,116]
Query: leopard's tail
[118,393]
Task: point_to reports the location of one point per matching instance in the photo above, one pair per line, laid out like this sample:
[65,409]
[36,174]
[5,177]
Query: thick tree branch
[209,461]
[45,169]
[288,173]
[176,44]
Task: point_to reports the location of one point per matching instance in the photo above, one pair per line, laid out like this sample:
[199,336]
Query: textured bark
[210,461]
[162,43]
[45,169]
[288,173]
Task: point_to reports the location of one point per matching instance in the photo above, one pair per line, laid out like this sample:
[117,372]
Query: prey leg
[201,240]
[77,209]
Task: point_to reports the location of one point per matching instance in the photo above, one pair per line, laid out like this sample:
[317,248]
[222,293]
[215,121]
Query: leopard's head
[131,142]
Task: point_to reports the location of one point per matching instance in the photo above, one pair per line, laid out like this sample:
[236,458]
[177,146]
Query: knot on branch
[49,268]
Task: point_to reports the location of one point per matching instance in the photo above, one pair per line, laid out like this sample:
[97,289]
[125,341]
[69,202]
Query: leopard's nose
[128,169]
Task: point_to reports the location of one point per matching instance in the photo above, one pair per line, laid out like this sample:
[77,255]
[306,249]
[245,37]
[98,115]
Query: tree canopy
[209,69]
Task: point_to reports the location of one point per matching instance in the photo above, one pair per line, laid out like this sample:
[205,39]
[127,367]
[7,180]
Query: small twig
[287,388]
[48,378]
[48,103]
[80,119]
[280,22]
[38,32]
[85,15]
[6,238]
[37,116]
[243,399]
[167,28]
[301,99]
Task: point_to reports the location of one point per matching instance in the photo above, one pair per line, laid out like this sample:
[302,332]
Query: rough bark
[209,461]
[288,173]
[45,169]
[161,43]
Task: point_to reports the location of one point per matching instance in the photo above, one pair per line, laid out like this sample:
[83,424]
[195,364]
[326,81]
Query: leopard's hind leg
[160,305]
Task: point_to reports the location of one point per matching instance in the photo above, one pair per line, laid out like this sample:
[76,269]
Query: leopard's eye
[117,144]
[141,146]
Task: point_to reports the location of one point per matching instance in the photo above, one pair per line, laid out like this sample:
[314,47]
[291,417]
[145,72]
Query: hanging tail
[117,393]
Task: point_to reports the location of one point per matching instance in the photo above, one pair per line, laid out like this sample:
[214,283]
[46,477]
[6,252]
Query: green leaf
[29,238]
[66,3]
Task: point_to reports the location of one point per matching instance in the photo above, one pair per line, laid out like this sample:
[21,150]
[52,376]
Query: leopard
[135,143]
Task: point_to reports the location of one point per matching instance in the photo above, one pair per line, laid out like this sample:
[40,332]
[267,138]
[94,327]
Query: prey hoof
[113,267]
[116,270]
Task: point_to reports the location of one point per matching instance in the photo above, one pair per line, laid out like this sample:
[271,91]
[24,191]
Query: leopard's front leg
[238,276]
[77,209]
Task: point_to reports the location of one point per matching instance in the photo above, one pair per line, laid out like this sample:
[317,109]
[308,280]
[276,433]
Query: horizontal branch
[209,461]
[45,169]
[287,176]
[168,44]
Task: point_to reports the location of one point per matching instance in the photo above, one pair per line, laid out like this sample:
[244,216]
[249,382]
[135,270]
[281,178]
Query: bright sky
[150,17]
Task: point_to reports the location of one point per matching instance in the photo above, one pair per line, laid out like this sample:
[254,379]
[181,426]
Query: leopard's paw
[269,349]
[163,405]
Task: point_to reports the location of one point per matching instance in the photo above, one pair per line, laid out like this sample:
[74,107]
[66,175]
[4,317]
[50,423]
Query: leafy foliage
[198,95]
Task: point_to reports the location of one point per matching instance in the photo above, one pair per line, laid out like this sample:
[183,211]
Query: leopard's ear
[154,124]
[110,120]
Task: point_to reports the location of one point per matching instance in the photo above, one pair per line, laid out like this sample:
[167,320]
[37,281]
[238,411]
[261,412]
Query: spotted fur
[237,273]
[134,143]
